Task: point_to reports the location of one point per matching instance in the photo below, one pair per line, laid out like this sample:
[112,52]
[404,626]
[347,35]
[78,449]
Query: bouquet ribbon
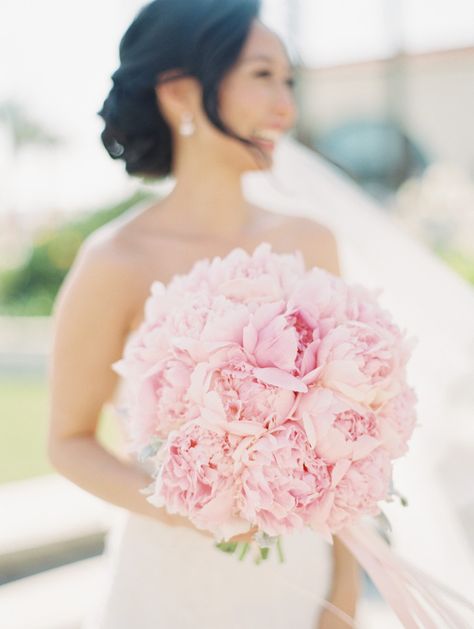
[400,582]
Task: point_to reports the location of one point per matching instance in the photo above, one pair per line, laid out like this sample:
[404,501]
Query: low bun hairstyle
[199,38]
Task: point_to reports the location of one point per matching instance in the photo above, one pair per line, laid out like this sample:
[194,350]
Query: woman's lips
[265,144]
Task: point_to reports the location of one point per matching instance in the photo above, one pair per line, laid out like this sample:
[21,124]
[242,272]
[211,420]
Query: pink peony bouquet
[267,396]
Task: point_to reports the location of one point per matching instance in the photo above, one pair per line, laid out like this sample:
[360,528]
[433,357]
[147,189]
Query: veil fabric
[434,304]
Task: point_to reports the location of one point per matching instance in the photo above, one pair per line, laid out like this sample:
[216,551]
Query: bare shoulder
[105,272]
[116,239]
[105,251]
[318,243]
[92,314]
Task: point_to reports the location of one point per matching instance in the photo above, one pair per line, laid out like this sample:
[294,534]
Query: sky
[60,55]
[341,31]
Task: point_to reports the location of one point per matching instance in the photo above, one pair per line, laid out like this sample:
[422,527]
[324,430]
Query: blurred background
[385,95]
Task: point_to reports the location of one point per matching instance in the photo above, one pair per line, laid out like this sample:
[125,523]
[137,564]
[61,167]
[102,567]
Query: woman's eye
[264,73]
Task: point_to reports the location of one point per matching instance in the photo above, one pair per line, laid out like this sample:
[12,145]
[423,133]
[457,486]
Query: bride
[203,94]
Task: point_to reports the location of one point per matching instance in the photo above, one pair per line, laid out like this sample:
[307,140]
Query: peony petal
[364,446]
[200,379]
[249,338]
[213,402]
[266,313]
[279,378]
[197,349]
[334,447]
[321,512]
[226,326]
[244,428]
[279,350]
[309,428]
[217,517]
[212,417]
[339,469]
[312,376]
[308,362]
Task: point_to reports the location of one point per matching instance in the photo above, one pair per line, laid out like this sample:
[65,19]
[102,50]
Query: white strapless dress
[165,577]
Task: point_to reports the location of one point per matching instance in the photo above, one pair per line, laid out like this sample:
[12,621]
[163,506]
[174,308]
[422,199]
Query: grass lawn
[23,428]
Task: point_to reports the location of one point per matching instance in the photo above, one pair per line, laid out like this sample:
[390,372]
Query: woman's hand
[244,537]
[179,520]
[174,519]
[230,545]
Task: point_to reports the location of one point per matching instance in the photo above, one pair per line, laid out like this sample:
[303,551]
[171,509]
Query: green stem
[227,547]
[244,551]
[279,549]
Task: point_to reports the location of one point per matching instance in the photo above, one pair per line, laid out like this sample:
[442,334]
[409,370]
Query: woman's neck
[207,200]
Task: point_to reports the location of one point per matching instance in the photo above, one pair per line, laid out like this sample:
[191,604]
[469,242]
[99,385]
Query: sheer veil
[433,304]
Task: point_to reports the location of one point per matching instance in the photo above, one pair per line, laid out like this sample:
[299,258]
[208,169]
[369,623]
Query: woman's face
[256,101]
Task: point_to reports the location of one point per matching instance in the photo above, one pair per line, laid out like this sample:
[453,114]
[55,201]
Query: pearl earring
[187,126]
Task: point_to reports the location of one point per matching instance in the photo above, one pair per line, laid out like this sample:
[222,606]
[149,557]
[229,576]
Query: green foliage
[461,263]
[24,408]
[31,288]
[23,128]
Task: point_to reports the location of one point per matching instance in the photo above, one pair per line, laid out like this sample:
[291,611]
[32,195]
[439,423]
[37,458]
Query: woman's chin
[260,162]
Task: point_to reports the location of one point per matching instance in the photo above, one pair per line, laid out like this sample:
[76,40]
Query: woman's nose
[285,103]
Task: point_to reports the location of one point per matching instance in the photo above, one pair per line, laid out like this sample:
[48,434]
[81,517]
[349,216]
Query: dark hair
[199,38]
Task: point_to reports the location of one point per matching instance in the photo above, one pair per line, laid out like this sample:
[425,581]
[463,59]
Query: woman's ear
[177,94]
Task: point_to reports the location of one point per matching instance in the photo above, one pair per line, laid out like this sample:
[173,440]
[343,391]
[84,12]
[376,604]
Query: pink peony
[363,306]
[195,322]
[262,276]
[361,361]
[397,420]
[337,428]
[269,339]
[357,493]
[147,346]
[160,402]
[196,480]
[231,397]
[320,298]
[223,325]
[282,480]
